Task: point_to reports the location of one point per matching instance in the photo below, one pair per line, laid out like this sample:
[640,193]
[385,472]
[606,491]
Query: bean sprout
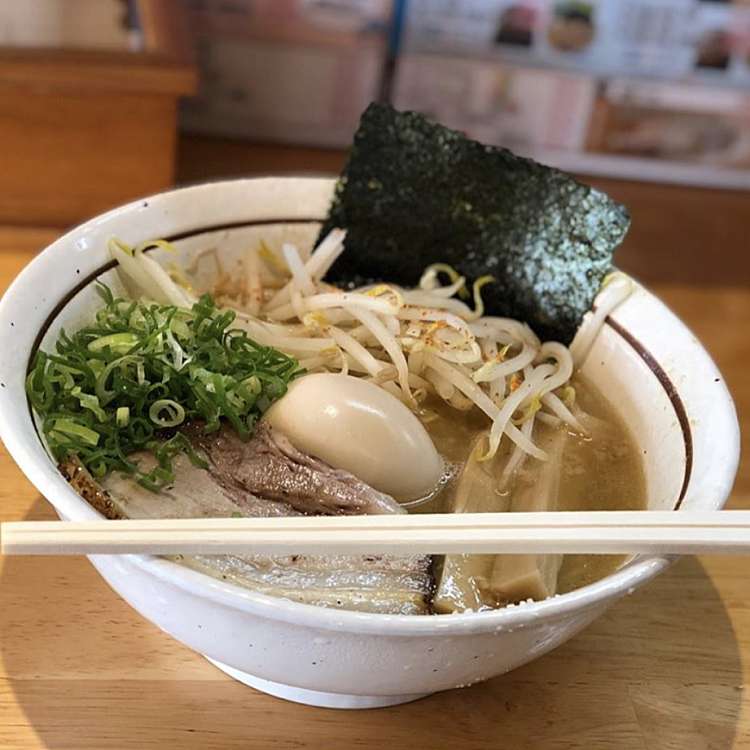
[410,342]
[616,289]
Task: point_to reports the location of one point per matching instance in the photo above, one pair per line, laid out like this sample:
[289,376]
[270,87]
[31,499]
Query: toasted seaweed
[414,193]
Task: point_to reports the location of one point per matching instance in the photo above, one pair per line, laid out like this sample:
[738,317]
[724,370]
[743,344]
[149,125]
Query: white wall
[63,23]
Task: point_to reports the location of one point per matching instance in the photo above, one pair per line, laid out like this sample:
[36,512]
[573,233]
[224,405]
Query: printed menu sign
[644,89]
[670,39]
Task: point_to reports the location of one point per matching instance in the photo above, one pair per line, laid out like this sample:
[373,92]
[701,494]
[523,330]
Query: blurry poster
[518,107]
[686,124]
[670,39]
[648,89]
[645,89]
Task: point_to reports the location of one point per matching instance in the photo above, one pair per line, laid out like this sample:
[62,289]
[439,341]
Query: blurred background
[102,101]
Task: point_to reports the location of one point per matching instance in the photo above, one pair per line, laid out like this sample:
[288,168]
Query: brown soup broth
[601,472]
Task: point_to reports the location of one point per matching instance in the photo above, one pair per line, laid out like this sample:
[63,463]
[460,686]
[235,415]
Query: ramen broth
[600,472]
[325,402]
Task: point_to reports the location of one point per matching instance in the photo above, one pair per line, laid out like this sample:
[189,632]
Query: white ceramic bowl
[660,379]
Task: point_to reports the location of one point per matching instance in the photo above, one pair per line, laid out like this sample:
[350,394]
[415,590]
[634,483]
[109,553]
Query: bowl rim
[68,504]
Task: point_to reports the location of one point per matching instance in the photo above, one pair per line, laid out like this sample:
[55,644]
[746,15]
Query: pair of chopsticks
[665,532]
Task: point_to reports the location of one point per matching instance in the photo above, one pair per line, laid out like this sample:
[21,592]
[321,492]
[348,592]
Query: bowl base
[315,697]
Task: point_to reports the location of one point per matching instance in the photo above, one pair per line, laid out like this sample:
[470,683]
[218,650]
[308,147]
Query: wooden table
[665,669]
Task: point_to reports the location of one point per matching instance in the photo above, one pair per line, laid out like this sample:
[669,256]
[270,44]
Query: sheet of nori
[415,193]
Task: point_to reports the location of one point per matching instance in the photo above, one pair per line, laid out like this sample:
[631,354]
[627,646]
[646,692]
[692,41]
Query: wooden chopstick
[666,532]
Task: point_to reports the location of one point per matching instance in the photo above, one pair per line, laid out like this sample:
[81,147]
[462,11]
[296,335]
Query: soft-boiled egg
[354,425]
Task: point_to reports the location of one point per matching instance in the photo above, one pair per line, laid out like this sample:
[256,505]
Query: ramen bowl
[652,369]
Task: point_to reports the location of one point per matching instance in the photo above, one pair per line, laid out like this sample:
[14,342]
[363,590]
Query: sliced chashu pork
[370,583]
[269,466]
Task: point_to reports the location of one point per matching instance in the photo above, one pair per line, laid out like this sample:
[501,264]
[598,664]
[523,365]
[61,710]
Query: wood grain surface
[85,130]
[70,154]
[664,669]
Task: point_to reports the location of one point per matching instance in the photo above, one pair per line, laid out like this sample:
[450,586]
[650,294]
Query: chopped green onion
[108,389]
[68,427]
[88,401]
[117,342]
[166,413]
